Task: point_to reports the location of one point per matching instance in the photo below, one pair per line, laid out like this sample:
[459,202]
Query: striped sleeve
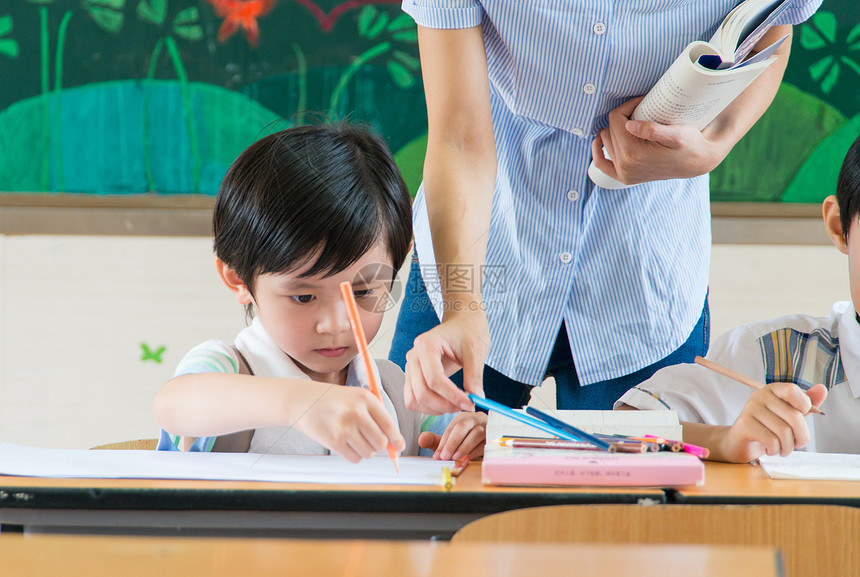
[168,442]
[209,357]
[444,14]
[802,357]
[799,11]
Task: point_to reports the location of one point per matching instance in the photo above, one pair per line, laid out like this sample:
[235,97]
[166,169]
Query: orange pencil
[743,379]
[460,466]
[367,362]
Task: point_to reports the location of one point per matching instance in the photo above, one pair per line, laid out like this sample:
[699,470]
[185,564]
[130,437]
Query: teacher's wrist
[464,311]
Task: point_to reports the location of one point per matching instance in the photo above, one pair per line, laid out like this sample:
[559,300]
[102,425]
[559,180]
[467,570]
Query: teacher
[532,269]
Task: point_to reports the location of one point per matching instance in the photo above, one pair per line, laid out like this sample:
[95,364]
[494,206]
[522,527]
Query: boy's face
[849,245]
[306,316]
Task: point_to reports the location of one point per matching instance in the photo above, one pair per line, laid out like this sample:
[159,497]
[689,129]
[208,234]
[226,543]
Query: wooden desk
[174,557]
[732,484]
[206,508]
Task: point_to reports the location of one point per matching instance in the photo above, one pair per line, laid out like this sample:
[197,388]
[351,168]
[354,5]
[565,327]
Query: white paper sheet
[820,466]
[25,461]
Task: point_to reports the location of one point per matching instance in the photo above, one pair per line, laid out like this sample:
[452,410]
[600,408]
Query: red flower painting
[241,14]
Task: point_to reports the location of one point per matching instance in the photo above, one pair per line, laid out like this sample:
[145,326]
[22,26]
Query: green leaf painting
[793,153]
[8,46]
[145,97]
[186,25]
[154,11]
[821,34]
[107,14]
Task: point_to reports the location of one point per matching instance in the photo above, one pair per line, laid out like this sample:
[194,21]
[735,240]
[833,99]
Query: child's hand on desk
[773,421]
[465,435]
[351,422]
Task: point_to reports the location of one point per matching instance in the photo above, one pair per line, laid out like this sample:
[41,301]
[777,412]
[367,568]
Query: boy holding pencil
[300,213]
[790,366]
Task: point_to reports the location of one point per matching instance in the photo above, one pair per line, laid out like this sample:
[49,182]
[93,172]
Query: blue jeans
[417,316]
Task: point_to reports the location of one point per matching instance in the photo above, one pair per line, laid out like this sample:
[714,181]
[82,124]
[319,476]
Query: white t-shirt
[266,360]
[800,349]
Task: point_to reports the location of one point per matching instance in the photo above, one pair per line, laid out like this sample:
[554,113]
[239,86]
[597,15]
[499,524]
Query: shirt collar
[848,330]
[267,360]
[264,356]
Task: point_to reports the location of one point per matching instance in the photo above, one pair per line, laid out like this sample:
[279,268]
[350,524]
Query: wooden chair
[139,444]
[813,539]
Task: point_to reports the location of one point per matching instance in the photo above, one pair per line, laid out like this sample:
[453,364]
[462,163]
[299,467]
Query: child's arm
[348,420]
[773,421]
[464,435]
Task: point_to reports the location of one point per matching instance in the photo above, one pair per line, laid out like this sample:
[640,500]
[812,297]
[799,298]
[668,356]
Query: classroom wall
[75,312]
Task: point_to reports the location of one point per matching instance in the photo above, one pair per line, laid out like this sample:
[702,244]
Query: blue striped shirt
[626,270]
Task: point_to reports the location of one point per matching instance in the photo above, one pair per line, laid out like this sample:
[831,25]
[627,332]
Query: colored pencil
[460,465]
[364,353]
[674,446]
[558,423]
[700,452]
[491,405]
[447,480]
[645,445]
[570,445]
[743,379]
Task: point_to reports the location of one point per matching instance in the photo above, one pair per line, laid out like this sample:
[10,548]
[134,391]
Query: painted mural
[159,96]
[794,152]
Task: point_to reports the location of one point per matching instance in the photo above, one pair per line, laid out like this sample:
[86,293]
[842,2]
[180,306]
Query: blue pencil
[531,421]
[559,424]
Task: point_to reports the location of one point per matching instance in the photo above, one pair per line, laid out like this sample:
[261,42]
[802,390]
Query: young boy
[802,359]
[298,213]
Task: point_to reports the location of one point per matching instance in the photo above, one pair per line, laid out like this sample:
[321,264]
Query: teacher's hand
[461,341]
[643,151]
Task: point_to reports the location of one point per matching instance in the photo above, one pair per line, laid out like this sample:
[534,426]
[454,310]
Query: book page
[750,25]
[816,466]
[690,94]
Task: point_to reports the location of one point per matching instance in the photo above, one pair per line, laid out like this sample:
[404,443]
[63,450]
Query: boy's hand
[464,435]
[773,422]
[350,422]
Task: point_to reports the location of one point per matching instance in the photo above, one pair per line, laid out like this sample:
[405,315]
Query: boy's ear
[233,282]
[833,223]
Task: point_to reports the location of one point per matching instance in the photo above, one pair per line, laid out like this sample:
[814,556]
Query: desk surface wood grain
[176,557]
[744,483]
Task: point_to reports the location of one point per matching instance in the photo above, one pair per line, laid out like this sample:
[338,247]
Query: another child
[299,212]
[793,355]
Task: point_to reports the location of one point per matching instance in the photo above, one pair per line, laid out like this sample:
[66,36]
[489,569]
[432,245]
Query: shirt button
[573,195]
[589,88]
[599,28]
[565,257]
[577,132]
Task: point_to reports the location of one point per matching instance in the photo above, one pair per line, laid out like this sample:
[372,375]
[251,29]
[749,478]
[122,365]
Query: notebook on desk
[507,465]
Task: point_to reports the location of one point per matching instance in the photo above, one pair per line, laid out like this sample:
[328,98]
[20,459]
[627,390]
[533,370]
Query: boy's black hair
[848,188]
[331,188]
